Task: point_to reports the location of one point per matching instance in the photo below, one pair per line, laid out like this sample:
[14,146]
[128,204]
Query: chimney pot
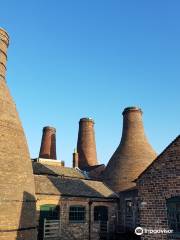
[62,163]
[75,158]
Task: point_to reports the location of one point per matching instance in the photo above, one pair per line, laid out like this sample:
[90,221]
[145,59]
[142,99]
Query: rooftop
[72,187]
[56,170]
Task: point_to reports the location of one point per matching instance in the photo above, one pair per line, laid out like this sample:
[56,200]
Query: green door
[49,212]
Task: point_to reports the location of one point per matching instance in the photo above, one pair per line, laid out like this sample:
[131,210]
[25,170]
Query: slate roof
[45,169]
[91,168]
[72,187]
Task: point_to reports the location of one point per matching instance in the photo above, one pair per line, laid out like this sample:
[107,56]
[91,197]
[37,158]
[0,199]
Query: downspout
[90,203]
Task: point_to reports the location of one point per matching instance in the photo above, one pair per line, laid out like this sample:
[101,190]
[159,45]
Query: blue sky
[72,59]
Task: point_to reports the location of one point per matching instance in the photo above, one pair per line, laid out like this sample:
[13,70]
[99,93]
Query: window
[101,213]
[129,208]
[173,211]
[77,214]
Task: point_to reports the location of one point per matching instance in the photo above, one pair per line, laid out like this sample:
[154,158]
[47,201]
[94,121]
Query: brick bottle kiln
[17,197]
[132,156]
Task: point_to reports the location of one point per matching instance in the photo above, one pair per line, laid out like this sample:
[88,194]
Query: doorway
[48,212]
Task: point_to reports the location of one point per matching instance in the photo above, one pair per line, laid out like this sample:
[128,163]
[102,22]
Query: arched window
[101,213]
[173,211]
[77,214]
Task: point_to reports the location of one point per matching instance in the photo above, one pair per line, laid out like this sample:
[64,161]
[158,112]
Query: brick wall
[158,183]
[77,231]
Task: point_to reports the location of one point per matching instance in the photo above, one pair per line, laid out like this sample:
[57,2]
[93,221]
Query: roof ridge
[168,146]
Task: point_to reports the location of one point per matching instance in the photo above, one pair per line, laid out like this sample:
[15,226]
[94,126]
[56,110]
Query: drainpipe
[90,203]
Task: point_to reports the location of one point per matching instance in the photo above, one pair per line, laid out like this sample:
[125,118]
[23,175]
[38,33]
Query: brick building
[159,194]
[81,205]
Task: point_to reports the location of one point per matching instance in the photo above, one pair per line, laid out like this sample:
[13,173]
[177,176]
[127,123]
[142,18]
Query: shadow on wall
[27,223]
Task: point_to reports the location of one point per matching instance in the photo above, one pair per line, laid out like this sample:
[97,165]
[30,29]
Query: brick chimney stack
[133,154]
[17,197]
[48,143]
[86,145]
[4,43]
[75,158]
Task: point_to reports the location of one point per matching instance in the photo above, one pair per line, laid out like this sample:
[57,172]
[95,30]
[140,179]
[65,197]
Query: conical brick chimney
[86,145]
[48,143]
[133,154]
[4,43]
[17,192]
